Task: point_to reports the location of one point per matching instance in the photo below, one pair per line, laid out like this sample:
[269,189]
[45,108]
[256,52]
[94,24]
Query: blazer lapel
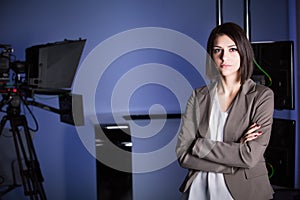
[205,105]
[238,118]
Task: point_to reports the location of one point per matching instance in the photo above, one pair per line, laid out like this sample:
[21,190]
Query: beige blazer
[243,165]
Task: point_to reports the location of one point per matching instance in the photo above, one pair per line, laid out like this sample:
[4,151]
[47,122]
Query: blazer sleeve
[236,154]
[186,140]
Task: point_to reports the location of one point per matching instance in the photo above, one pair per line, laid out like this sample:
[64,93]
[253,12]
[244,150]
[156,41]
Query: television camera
[49,69]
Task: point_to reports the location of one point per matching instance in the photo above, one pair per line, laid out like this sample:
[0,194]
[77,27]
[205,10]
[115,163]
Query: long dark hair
[237,34]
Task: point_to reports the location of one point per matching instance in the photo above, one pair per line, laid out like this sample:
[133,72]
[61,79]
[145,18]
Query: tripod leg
[30,170]
[2,123]
[10,187]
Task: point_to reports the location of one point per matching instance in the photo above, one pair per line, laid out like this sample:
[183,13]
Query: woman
[227,125]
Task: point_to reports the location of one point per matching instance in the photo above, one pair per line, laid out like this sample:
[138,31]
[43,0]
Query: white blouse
[211,185]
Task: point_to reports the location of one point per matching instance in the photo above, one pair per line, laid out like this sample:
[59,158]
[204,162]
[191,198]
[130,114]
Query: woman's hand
[251,134]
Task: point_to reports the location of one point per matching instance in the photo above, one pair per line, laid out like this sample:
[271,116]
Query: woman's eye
[216,50]
[233,49]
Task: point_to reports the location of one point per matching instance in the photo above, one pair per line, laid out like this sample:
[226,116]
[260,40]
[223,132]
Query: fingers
[254,127]
[251,136]
[252,133]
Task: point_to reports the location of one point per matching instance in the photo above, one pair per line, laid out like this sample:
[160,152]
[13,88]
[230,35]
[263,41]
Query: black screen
[53,65]
[276,61]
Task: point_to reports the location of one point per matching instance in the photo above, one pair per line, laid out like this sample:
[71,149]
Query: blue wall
[68,167]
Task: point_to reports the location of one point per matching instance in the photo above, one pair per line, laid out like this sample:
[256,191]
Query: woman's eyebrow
[232,45]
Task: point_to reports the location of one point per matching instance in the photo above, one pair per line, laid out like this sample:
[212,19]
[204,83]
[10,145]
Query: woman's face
[226,56]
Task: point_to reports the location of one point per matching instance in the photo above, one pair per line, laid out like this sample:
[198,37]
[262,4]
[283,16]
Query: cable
[32,115]
[263,71]
[272,170]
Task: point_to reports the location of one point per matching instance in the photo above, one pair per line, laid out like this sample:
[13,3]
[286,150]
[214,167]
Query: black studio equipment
[280,154]
[49,69]
[47,75]
[274,67]
[45,64]
[113,183]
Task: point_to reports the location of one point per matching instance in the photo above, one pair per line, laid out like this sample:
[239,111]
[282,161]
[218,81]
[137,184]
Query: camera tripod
[29,169]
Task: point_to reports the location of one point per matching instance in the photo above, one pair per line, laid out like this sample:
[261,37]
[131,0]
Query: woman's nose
[224,55]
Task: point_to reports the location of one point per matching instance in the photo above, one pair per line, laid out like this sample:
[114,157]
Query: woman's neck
[228,87]
[227,91]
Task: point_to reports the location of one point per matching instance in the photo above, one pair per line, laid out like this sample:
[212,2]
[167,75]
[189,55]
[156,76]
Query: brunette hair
[237,34]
